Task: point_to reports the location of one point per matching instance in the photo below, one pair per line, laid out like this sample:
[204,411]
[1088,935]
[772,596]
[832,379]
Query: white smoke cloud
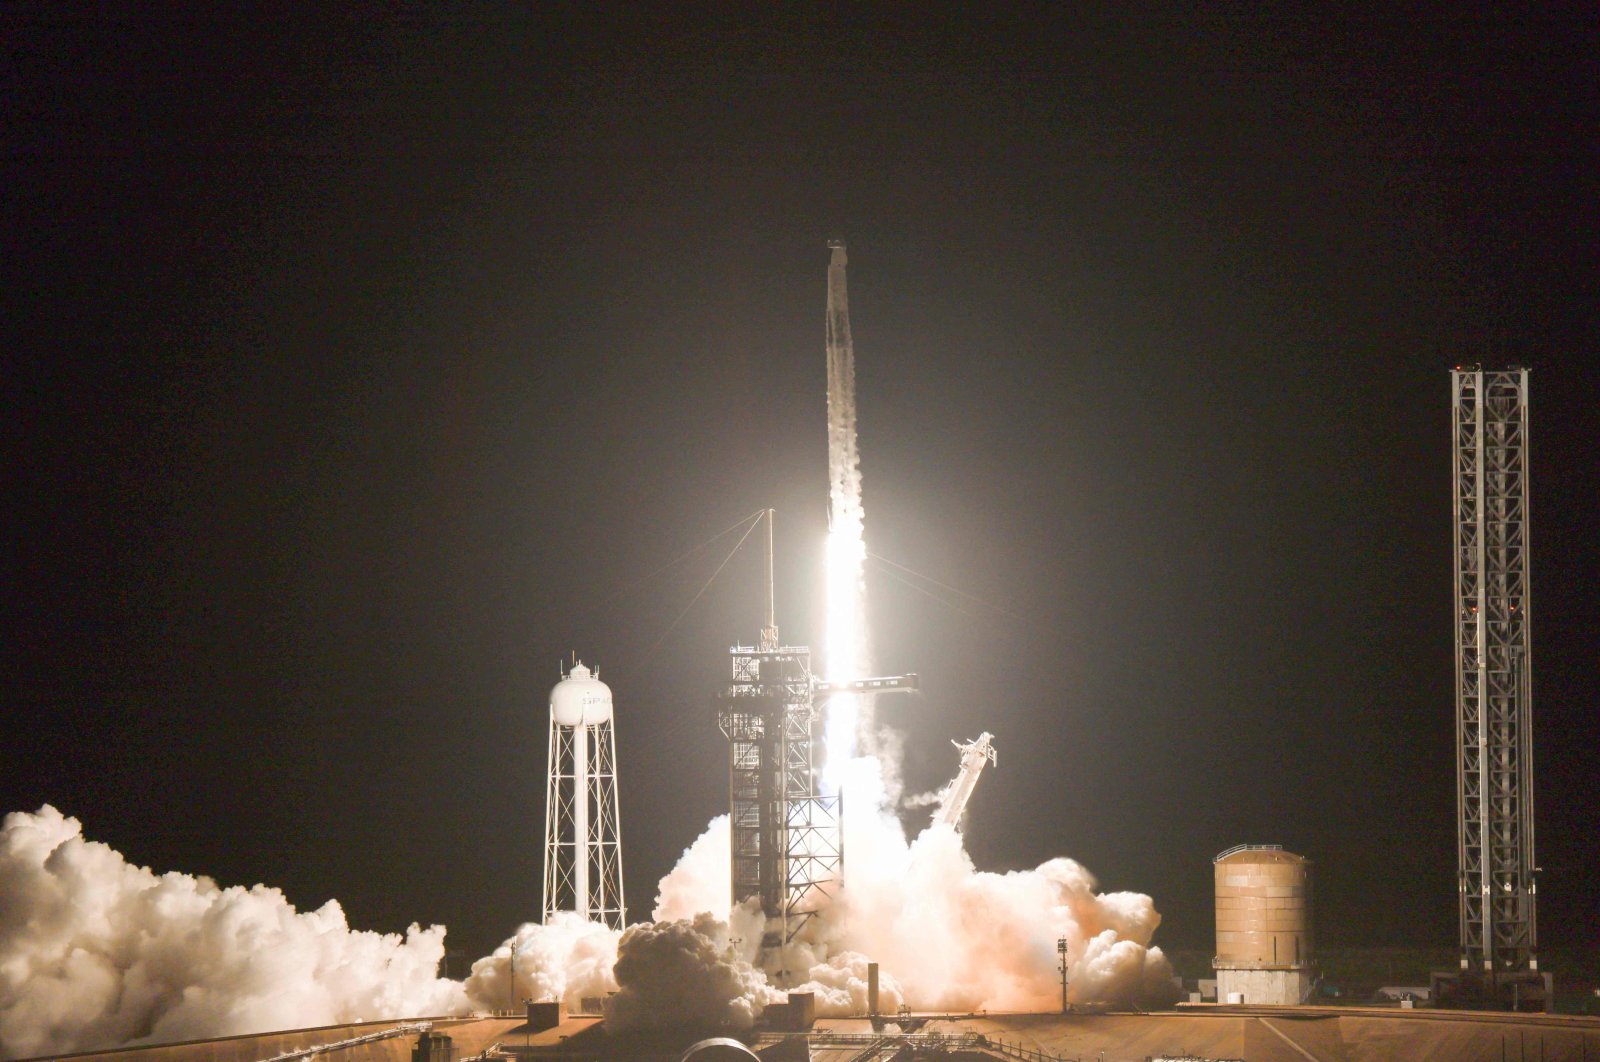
[572,960]
[702,880]
[568,959]
[947,936]
[96,952]
[955,938]
[840,986]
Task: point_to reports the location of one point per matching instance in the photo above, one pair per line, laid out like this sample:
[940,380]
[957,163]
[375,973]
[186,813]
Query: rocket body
[846,652]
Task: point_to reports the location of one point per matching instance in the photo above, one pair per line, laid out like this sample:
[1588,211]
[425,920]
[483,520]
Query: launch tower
[582,830]
[1494,735]
[786,842]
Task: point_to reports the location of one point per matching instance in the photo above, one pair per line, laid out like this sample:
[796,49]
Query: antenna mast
[769,632]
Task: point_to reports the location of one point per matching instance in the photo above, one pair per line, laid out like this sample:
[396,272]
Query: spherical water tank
[1263,908]
[580,698]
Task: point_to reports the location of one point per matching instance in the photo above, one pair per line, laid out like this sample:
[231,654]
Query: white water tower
[582,829]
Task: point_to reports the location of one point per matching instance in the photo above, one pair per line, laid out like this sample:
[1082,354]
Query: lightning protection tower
[582,831]
[1494,733]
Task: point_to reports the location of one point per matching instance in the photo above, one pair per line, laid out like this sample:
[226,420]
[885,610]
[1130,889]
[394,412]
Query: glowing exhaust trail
[845,643]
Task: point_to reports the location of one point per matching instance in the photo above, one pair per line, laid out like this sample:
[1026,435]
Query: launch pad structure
[786,839]
[785,832]
[785,825]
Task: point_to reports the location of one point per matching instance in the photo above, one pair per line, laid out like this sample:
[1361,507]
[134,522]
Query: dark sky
[359,371]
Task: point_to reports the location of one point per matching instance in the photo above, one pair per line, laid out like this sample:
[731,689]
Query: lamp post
[1061,949]
[513,992]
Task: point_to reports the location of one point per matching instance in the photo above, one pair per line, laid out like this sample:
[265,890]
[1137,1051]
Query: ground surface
[1256,1034]
[470,1035]
[1271,1034]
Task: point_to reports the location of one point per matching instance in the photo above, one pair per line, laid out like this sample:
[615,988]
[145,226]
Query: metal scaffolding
[1494,736]
[786,841]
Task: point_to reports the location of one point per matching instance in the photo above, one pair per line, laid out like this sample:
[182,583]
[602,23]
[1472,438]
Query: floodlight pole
[513,990]
[1061,949]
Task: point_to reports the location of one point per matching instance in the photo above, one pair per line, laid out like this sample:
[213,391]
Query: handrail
[1027,1054]
[355,1041]
[1220,856]
[931,1041]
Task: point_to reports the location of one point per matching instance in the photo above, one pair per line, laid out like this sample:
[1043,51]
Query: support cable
[754,522]
[680,558]
[975,599]
[928,593]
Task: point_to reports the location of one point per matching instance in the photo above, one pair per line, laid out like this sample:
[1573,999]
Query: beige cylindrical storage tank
[1264,923]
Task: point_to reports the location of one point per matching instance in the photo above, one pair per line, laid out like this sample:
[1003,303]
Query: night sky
[360,371]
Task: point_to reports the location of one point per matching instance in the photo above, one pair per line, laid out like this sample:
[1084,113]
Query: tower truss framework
[1494,738]
[786,841]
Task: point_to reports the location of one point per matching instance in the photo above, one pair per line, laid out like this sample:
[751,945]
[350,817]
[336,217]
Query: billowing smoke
[702,880]
[701,972]
[947,936]
[568,959]
[685,973]
[957,938]
[576,961]
[96,952]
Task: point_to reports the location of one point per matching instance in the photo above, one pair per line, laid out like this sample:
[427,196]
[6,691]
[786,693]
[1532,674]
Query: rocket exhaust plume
[845,640]
[955,936]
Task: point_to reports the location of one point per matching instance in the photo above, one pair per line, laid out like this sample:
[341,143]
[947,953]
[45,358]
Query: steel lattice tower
[785,831]
[1494,736]
[787,848]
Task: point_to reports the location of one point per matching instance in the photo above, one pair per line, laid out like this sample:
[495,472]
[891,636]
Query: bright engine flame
[846,640]
[846,643]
